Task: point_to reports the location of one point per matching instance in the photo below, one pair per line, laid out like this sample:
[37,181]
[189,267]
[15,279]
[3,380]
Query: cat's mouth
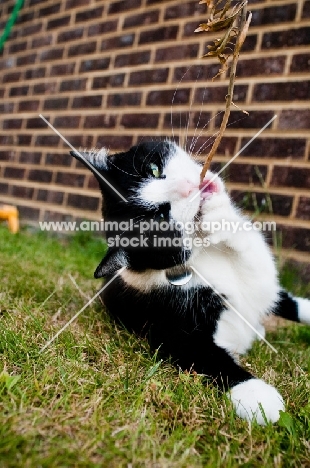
[207,188]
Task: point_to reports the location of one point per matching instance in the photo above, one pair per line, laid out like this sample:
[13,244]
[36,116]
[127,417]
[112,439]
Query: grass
[97,397]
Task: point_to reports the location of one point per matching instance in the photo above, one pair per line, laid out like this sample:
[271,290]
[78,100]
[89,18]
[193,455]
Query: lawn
[97,397]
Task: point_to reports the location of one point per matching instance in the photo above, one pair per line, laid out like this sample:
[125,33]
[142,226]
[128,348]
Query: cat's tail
[292,308]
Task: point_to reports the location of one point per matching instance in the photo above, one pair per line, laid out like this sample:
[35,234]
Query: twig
[220,47]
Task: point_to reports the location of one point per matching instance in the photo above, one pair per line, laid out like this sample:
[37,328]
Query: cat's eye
[155,170]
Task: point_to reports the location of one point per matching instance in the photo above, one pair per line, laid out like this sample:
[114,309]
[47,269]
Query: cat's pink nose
[186,187]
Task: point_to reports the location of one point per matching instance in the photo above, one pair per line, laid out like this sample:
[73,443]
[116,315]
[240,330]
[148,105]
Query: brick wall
[106,73]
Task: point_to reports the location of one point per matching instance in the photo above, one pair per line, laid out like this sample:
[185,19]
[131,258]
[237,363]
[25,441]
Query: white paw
[248,398]
[303,310]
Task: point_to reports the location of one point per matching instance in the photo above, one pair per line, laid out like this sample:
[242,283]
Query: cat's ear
[96,161]
[111,263]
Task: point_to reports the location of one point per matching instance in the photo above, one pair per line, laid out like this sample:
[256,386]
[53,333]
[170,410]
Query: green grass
[97,397]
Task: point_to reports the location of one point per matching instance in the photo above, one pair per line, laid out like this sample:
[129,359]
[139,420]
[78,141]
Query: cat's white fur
[239,266]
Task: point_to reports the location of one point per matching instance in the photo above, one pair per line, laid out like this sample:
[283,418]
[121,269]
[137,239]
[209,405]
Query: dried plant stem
[243,28]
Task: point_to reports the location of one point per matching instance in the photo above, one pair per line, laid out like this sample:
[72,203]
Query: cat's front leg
[220,220]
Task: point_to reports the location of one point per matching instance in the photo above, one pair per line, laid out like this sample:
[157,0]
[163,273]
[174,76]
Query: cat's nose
[185,188]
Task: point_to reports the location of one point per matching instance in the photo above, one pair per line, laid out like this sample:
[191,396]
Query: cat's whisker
[195,140]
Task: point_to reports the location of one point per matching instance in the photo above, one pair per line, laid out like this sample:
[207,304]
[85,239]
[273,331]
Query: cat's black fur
[179,321]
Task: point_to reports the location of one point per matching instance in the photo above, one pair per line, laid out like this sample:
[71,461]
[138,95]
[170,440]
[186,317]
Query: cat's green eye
[155,170]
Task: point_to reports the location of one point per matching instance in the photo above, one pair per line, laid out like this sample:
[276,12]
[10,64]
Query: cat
[199,294]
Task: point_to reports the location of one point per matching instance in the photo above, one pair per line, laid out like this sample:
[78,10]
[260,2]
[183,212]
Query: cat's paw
[249,397]
[218,218]
[303,310]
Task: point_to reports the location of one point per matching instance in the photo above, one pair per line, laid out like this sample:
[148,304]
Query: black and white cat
[196,292]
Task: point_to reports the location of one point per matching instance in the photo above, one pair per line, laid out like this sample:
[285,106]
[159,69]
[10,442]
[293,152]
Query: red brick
[40,175]
[218,93]
[132,59]
[140,120]
[58,22]
[99,121]
[14,172]
[67,121]
[83,202]
[59,159]
[303,208]
[73,85]
[50,10]
[273,15]
[17,47]
[6,107]
[51,54]
[94,64]
[105,27]
[288,38]
[149,76]
[72,35]
[182,10]
[164,33]
[35,73]
[25,106]
[168,97]
[48,87]
[47,140]
[116,42]
[141,19]
[294,119]
[56,103]
[295,177]
[70,178]
[195,72]
[244,173]
[26,212]
[123,5]
[19,91]
[30,157]
[202,145]
[173,53]
[11,77]
[62,69]
[237,119]
[41,41]
[50,196]
[87,102]
[6,156]
[4,189]
[283,91]
[12,124]
[76,3]
[300,63]
[87,15]
[28,31]
[114,142]
[261,66]
[23,140]
[22,192]
[109,81]
[281,205]
[82,49]
[306,10]
[26,60]
[124,99]
[295,238]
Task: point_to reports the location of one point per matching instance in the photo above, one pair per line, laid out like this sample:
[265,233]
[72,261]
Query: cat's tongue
[207,188]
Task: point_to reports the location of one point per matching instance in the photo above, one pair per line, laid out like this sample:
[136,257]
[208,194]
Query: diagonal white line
[82,157]
[234,157]
[233,308]
[80,311]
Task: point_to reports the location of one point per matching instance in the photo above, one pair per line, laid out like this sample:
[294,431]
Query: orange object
[10,214]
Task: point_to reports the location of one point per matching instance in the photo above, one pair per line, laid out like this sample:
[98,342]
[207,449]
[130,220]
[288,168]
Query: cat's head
[154,187]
